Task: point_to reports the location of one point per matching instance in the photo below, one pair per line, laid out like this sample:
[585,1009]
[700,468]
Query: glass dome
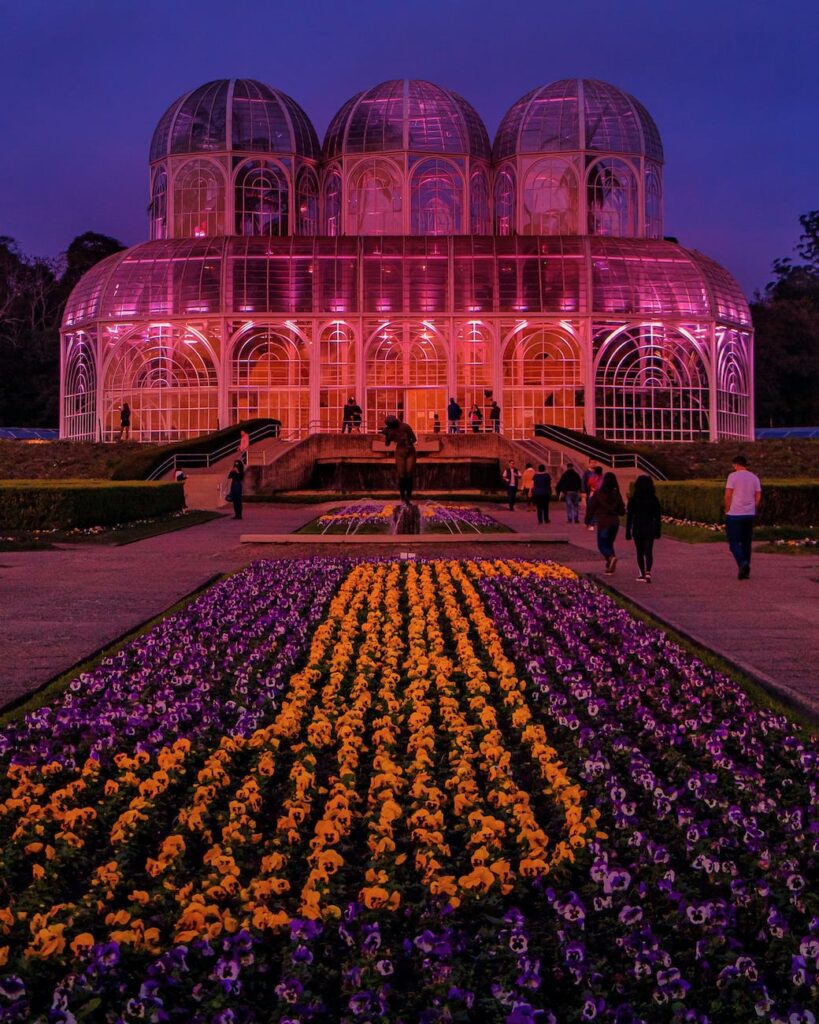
[578,114]
[406,115]
[234,114]
[592,276]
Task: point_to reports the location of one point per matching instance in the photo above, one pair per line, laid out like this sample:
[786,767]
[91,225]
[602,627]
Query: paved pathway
[58,607]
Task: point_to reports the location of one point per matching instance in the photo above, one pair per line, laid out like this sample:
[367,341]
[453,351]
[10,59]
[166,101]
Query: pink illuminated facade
[404,262]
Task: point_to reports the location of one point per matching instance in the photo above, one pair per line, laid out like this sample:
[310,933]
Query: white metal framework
[403,264]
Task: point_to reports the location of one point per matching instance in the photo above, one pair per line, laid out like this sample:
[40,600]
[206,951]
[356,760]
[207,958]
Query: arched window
[199,200]
[332,203]
[654,204]
[406,375]
[733,384]
[652,385]
[79,390]
[375,199]
[505,202]
[307,201]
[542,381]
[612,199]
[159,205]
[270,377]
[336,374]
[262,199]
[168,378]
[550,199]
[437,199]
[479,204]
[474,372]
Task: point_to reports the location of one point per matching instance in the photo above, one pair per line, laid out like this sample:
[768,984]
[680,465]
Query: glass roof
[578,114]
[258,119]
[520,275]
[406,115]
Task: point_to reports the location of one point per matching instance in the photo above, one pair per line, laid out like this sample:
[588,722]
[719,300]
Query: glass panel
[437,198]
[612,199]
[375,199]
[262,199]
[550,199]
[199,200]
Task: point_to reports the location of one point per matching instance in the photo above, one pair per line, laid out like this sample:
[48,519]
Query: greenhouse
[404,262]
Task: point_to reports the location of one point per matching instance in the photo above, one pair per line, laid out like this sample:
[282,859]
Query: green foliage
[61,504]
[791,502]
[786,320]
[775,458]
[33,293]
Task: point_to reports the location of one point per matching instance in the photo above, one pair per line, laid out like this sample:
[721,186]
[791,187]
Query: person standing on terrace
[743,494]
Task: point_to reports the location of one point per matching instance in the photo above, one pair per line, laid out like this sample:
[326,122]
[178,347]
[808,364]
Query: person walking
[527,482]
[570,485]
[593,484]
[475,419]
[454,414]
[511,479]
[743,494]
[244,446]
[494,417]
[542,493]
[236,477]
[125,422]
[644,524]
[403,435]
[604,509]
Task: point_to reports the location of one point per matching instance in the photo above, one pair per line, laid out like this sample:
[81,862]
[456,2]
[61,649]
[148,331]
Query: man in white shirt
[743,493]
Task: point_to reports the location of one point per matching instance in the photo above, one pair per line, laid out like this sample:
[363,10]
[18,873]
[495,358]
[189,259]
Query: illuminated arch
[436,189]
[542,379]
[331,201]
[307,201]
[270,377]
[550,198]
[652,384]
[611,187]
[733,383]
[262,199]
[159,204]
[375,199]
[505,202]
[199,200]
[406,367]
[480,222]
[80,389]
[168,377]
[474,346]
[337,373]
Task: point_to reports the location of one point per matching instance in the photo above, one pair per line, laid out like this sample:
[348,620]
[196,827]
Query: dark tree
[786,321]
[33,293]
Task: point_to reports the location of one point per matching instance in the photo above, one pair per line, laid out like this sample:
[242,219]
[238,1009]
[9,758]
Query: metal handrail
[198,460]
[615,460]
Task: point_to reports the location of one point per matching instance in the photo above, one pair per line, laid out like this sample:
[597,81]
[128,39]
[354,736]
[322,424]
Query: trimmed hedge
[784,502]
[64,504]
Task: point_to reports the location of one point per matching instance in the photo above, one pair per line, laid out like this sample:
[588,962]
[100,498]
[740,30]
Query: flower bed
[375,517]
[382,791]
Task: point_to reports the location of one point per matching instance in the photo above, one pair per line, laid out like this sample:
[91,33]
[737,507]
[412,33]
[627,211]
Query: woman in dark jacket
[644,524]
[604,508]
[542,493]
[237,478]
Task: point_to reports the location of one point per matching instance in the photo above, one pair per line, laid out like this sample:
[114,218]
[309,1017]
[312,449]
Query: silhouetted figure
[403,437]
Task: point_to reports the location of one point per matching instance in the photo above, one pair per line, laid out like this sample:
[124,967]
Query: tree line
[33,293]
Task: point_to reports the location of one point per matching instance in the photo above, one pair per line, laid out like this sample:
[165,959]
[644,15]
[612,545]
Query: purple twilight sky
[733,87]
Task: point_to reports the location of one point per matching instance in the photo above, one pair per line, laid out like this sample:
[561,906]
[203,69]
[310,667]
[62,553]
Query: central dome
[407,115]
[238,114]
[577,114]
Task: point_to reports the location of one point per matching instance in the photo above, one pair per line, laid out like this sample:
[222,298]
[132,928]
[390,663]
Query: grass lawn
[116,536]
[706,459]
[693,534]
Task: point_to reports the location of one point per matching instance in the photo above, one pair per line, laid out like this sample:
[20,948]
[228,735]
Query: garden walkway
[59,607]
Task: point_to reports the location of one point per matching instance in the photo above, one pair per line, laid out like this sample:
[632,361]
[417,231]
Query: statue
[403,436]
